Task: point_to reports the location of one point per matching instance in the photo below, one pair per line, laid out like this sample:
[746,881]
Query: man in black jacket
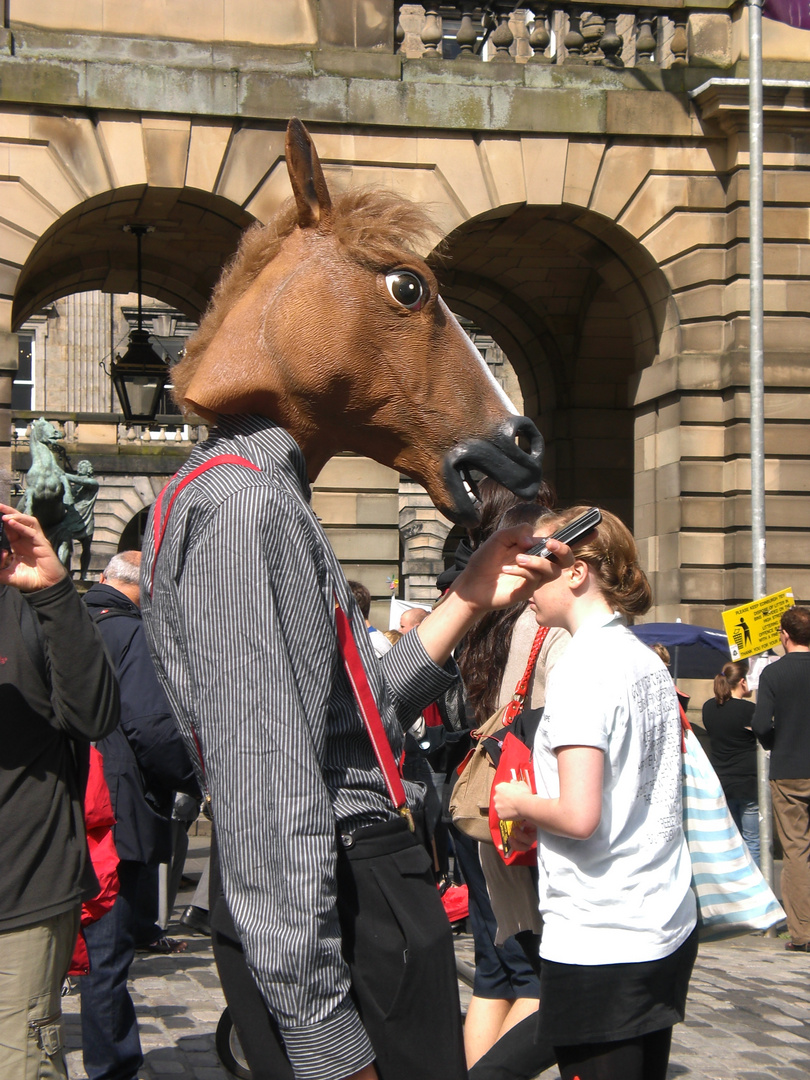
[145,762]
[781,723]
[57,693]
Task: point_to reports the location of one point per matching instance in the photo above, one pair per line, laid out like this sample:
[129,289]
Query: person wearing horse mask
[265,656]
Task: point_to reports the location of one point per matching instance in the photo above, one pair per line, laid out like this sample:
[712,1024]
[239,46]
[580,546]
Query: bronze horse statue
[61,498]
[47,491]
[327,323]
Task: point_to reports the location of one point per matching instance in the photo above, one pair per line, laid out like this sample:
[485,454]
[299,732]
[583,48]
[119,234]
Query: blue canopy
[696,652]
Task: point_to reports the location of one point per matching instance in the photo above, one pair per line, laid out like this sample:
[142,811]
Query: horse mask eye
[407,289]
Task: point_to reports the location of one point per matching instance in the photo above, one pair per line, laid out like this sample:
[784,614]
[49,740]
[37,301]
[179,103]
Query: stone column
[693,482]
[423,532]
[356,501]
[8,366]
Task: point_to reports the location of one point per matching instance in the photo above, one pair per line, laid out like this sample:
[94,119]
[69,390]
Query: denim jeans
[111,1045]
[746,818]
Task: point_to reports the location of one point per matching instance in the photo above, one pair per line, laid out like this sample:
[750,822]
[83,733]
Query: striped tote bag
[732,896]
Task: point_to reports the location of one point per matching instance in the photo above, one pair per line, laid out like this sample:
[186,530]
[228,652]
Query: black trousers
[398,945]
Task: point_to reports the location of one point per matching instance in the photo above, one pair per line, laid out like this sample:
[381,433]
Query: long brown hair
[483,653]
[729,679]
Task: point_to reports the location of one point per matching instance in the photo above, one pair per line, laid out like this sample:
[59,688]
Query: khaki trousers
[791,812]
[33,964]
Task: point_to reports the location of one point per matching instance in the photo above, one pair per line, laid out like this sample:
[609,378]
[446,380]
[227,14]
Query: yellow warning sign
[753,628]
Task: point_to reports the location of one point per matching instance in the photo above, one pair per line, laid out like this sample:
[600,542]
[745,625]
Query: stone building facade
[589,175]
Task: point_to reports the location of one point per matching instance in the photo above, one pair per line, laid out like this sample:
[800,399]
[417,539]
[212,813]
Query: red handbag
[515,763]
[455,900]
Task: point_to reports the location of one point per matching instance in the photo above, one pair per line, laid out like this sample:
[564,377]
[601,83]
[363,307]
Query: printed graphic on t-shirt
[659,764]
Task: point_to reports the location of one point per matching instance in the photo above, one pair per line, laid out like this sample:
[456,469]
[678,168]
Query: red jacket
[98,820]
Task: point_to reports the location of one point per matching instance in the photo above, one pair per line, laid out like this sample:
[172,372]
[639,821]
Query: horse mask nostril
[522,427]
[499,457]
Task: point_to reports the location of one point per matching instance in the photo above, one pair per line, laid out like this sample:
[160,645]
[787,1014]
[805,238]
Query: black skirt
[608,1002]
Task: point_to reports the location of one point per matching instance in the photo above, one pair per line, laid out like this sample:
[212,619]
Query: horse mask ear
[306,177]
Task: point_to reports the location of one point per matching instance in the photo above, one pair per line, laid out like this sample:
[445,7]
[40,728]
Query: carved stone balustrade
[596,33]
[103,432]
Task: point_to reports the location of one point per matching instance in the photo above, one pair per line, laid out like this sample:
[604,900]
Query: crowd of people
[325,751]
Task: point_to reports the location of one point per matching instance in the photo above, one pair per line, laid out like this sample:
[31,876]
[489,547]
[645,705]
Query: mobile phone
[5,545]
[570,533]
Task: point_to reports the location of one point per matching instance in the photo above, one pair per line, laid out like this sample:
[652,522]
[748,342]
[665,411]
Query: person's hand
[522,835]
[33,563]
[507,799]
[500,573]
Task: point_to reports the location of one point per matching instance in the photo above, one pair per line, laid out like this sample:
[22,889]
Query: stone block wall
[357,502]
[693,506]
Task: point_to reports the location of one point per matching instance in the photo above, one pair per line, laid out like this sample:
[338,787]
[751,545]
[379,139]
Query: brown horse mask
[341,337]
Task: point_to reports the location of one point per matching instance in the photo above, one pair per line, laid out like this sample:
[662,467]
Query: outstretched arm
[67,498]
[499,574]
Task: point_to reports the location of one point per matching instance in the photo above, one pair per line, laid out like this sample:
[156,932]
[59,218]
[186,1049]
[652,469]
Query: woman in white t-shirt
[619,938]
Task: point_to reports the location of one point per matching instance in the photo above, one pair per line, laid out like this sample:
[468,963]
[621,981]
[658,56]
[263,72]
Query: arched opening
[195,233]
[132,535]
[579,307]
[75,304]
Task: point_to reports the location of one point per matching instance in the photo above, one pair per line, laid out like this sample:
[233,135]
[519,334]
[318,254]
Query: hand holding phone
[570,533]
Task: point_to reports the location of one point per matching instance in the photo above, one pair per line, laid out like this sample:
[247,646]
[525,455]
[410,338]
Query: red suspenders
[348,647]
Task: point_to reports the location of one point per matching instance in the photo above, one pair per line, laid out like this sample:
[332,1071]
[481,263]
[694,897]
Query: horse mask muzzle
[500,458]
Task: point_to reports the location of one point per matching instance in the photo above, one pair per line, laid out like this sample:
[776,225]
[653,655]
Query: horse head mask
[326,323]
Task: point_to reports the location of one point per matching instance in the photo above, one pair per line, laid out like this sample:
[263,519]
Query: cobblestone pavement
[748,1013]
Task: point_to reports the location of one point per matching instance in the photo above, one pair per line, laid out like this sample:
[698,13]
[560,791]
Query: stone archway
[579,307]
[120,512]
[194,234]
[632,214]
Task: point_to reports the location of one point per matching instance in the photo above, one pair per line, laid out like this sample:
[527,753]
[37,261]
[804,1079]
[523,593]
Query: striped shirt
[241,625]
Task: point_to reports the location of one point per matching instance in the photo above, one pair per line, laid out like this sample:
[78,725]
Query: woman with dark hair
[727,718]
[503,899]
[619,917]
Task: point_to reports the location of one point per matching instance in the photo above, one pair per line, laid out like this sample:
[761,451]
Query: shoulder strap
[352,662]
[522,688]
[685,725]
[358,679]
[159,522]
